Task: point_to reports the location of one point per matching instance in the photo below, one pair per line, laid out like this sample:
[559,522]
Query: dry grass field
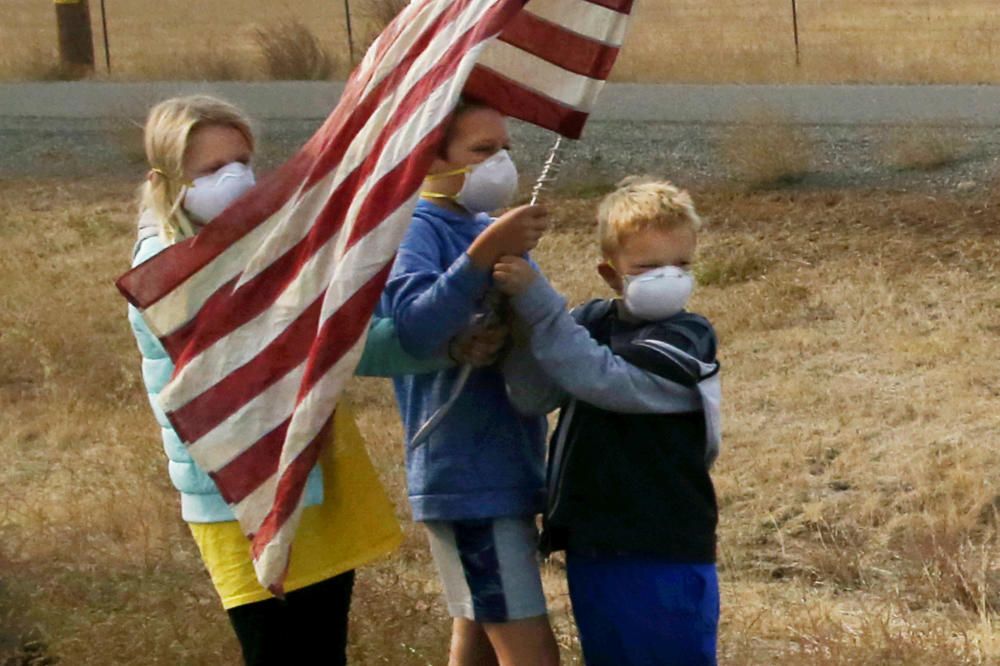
[914,41]
[858,482]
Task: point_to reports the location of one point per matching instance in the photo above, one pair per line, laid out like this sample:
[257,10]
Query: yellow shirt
[354,525]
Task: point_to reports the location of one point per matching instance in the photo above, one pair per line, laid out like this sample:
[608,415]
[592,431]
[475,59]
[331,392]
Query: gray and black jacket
[628,468]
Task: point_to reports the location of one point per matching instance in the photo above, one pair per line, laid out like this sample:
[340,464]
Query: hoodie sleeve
[588,370]
[429,305]
[384,355]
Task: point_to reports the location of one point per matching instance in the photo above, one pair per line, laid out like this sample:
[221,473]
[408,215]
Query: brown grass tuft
[375,16]
[380,13]
[292,52]
[766,152]
[923,148]
[38,64]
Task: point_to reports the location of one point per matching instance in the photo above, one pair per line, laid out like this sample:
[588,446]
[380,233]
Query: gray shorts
[489,568]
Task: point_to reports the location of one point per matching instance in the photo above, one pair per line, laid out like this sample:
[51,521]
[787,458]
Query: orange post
[76,40]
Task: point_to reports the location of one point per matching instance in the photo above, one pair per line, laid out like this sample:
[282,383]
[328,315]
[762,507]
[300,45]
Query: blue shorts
[488,568]
[632,611]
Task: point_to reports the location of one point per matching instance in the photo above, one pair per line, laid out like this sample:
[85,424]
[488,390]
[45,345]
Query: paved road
[80,129]
[806,104]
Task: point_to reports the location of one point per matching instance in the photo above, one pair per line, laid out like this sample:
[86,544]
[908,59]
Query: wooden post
[795,29]
[76,41]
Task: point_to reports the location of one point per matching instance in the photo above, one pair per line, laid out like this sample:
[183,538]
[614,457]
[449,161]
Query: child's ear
[611,276]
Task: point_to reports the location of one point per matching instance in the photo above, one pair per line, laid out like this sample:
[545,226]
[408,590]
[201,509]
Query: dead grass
[37,64]
[885,41]
[923,148]
[765,151]
[859,511]
[374,16]
[291,51]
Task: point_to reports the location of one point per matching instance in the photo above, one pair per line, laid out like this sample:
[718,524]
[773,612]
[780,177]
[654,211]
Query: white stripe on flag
[534,73]
[182,303]
[271,407]
[240,346]
[255,506]
[221,445]
[178,307]
[584,18]
[273,560]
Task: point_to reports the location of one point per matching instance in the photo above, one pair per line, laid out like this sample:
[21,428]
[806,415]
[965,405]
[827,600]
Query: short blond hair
[643,202]
[168,128]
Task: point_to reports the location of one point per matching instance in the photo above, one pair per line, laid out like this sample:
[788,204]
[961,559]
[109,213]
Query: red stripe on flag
[292,482]
[201,415]
[568,50]
[225,311]
[515,100]
[209,409]
[361,113]
[258,462]
[146,284]
[621,6]
[253,467]
[338,332]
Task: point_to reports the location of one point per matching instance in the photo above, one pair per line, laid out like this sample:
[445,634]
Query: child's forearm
[588,370]
[529,387]
[384,356]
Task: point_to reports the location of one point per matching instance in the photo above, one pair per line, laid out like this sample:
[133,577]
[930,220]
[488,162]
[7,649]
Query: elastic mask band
[438,195]
[445,174]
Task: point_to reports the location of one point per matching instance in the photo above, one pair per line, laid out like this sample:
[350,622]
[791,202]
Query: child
[477,481]
[630,498]
[199,151]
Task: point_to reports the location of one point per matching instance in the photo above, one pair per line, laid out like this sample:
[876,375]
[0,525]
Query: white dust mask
[489,185]
[210,195]
[659,293]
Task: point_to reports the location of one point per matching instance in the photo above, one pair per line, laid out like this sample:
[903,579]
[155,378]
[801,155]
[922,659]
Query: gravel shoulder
[934,158]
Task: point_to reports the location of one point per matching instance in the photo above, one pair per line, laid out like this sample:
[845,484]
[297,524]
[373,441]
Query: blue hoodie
[484,459]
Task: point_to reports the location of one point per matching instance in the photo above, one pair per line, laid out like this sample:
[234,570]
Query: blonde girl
[200,151]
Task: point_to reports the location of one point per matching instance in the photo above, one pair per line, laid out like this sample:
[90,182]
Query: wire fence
[879,41]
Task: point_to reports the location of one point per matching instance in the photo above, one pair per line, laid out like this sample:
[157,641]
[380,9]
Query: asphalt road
[89,129]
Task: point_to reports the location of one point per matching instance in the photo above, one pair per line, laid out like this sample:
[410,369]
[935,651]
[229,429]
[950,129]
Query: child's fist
[515,232]
[478,346]
[513,275]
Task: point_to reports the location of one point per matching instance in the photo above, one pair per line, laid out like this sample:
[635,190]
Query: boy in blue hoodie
[630,498]
[477,481]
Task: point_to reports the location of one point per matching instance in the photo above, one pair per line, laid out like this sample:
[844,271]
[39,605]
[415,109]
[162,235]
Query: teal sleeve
[384,356]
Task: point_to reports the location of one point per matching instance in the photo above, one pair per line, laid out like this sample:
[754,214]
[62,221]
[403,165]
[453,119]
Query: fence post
[795,30]
[350,32]
[76,41]
[107,42]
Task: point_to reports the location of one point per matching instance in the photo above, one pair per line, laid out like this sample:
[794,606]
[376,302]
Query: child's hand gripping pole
[493,304]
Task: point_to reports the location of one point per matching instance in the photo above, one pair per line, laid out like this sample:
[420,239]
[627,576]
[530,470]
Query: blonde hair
[643,202]
[168,128]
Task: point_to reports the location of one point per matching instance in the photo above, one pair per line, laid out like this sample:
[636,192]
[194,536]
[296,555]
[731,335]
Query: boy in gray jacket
[630,499]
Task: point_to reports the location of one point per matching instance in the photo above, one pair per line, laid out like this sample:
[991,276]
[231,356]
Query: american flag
[265,311]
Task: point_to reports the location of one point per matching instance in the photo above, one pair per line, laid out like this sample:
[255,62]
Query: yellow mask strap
[445,174]
[437,195]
